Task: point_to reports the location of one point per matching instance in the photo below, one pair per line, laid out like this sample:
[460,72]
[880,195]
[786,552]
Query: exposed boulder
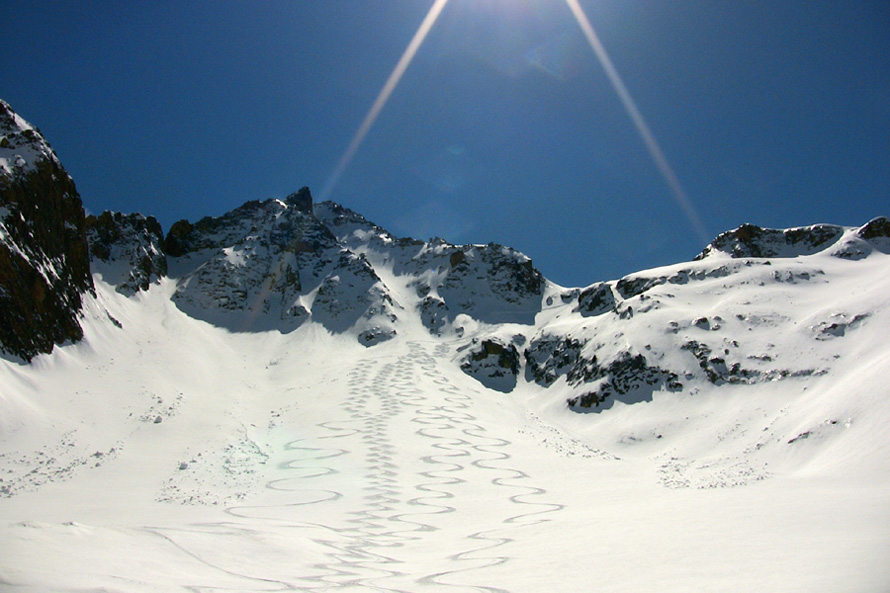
[596,300]
[127,250]
[44,260]
[376,335]
[493,363]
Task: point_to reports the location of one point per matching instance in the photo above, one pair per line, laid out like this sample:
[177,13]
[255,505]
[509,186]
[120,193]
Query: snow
[305,461]
[235,258]
[23,146]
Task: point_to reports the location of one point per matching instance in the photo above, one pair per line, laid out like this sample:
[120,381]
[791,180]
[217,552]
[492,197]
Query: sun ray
[383,97]
[639,122]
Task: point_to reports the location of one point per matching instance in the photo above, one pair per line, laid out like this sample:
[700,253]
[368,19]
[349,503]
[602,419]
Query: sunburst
[384,94]
[639,122]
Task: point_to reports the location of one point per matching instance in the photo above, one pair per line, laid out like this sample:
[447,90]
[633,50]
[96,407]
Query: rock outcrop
[492,362]
[753,241]
[126,250]
[44,260]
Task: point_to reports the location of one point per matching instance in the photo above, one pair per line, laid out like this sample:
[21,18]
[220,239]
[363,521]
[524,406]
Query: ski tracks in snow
[404,491]
[464,443]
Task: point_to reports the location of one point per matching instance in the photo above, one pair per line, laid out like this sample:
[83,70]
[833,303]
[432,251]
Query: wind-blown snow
[165,454]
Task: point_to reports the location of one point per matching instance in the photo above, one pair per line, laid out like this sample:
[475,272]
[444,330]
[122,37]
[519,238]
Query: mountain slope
[261,461]
[288,397]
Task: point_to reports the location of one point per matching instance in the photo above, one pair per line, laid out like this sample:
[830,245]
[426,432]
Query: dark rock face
[433,314]
[753,241]
[876,233]
[275,265]
[549,357]
[877,228]
[635,285]
[492,363]
[627,376]
[127,249]
[176,243]
[719,370]
[596,300]
[278,263]
[44,261]
[354,293]
[301,200]
[283,227]
[492,283]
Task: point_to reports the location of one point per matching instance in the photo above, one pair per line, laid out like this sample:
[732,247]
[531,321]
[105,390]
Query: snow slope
[164,453]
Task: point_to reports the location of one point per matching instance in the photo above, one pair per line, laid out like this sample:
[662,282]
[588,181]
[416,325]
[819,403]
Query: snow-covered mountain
[290,397]
[279,264]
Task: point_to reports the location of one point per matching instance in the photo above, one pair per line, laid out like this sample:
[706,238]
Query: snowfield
[163,453]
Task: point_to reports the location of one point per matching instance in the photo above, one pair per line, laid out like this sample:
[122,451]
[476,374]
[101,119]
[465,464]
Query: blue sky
[504,127]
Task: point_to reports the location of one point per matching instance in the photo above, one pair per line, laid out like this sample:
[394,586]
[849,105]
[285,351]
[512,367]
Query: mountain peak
[22,146]
[44,265]
[300,199]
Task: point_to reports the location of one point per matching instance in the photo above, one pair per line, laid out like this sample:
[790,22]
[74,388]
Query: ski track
[369,540]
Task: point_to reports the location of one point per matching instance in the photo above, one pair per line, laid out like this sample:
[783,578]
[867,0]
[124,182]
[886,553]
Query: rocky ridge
[708,321]
[281,264]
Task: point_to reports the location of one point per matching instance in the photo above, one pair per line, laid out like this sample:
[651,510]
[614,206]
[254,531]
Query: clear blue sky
[504,128]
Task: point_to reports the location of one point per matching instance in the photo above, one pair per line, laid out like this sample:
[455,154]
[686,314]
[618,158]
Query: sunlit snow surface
[171,455]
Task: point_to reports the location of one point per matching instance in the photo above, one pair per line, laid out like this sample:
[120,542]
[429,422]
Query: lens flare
[642,127]
[652,146]
[383,97]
